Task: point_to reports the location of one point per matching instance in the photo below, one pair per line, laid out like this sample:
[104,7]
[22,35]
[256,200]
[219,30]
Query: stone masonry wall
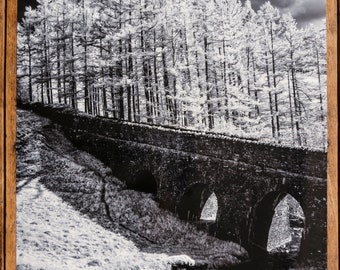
[298,161]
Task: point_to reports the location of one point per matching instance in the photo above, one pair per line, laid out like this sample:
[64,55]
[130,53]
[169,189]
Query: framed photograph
[169,134]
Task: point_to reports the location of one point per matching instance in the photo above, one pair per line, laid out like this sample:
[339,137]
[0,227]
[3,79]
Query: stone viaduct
[183,168]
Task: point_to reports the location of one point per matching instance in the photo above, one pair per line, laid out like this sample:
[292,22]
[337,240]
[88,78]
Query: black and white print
[168,134]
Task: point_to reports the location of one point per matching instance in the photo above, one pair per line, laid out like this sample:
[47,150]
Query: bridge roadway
[183,168]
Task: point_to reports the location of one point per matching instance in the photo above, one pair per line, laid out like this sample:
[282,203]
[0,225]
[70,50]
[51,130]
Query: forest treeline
[214,65]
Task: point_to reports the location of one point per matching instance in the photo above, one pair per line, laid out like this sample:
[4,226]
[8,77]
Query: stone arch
[263,215]
[192,201]
[144,181]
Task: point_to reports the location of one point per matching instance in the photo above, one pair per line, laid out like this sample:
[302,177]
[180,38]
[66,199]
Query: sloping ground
[87,225]
[52,235]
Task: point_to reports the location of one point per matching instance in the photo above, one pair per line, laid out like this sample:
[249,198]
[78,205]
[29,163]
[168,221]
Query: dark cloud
[308,10]
[304,11]
[22,4]
[256,3]
[283,3]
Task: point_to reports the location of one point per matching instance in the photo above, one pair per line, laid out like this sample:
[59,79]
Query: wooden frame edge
[8,24]
[10,125]
[332,21]
[2,134]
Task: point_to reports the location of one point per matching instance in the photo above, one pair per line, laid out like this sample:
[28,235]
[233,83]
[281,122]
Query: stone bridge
[183,168]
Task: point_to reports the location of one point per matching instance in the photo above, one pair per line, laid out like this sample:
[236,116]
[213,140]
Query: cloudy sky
[305,11]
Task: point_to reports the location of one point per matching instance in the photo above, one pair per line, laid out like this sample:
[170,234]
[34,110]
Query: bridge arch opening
[198,203]
[210,208]
[287,226]
[278,228]
[145,182]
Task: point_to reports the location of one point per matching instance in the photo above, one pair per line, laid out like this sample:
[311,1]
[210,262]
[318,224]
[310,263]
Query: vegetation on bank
[89,187]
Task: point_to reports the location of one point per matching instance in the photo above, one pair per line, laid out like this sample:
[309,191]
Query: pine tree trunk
[168,101]
[275,84]
[225,83]
[30,88]
[129,70]
[319,85]
[291,109]
[210,116]
[58,69]
[113,95]
[257,109]
[175,114]
[88,107]
[146,82]
[270,99]
[157,111]
[73,79]
[46,76]
[120,76]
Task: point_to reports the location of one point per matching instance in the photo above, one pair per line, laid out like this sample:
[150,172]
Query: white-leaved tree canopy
[212,65]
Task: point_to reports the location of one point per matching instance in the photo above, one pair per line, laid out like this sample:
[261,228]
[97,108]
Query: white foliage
[181,63]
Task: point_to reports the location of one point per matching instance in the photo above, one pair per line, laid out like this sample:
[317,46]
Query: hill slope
[94,222]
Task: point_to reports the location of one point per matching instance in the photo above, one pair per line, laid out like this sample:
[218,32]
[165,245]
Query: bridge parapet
[291,160]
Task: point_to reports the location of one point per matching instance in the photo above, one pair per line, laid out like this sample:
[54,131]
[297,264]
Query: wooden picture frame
[8,26]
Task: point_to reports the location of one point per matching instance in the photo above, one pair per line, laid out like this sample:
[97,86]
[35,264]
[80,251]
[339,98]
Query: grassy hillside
[87,185]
